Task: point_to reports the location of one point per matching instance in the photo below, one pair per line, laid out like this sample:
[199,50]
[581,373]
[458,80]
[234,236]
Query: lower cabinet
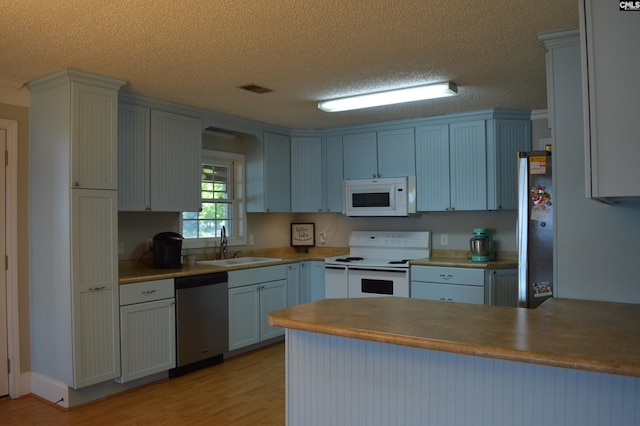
[147,328]
[464,285]
[501,287]
[253,293]
[305,282]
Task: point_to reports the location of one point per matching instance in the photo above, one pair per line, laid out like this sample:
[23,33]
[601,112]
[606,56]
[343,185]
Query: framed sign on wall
[303,234]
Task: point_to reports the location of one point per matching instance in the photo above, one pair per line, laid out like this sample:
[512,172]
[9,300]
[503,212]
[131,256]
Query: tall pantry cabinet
[73,268]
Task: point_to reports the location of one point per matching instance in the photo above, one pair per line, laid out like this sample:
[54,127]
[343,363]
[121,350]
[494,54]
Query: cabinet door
[316,281]
[96,336]
[176,152]
[611,66]
[432,168]
[333,173]
[273,296]
[468,162]
[360,156]
[501,287]
[244,319]
[148,333]
[293,284]
[305,282]
[133,158]
[306,175]
[506,138]
[94,219]
[396,153]
[277,176]
[94,148]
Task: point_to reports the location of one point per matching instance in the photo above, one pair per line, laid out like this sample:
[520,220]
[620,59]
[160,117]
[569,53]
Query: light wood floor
[247,389]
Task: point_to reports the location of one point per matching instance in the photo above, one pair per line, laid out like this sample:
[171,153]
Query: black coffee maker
[167,249]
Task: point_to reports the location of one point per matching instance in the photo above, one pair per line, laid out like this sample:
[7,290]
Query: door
[4,355]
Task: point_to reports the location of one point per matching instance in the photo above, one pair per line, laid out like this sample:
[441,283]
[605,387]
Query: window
[222,202]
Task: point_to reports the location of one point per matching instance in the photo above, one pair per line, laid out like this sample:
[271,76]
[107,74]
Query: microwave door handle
[394,194]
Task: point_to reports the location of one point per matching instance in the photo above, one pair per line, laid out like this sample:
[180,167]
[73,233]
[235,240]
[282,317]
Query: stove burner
[349,259]
[399,262]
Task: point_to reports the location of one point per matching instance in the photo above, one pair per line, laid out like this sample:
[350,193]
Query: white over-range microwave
[379,197]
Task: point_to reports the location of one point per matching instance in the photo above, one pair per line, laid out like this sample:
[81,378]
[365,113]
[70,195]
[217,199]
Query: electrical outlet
[251,240]
[444,239]
[120,247]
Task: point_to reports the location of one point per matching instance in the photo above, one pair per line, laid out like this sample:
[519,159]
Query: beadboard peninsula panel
[335,380]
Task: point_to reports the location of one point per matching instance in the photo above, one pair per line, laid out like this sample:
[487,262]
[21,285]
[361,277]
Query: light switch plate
[444,239]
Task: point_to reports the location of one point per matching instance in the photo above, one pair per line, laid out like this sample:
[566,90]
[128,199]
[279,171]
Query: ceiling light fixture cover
[390,97]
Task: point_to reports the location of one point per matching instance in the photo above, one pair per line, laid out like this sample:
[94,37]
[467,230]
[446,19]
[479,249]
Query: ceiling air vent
[256,89]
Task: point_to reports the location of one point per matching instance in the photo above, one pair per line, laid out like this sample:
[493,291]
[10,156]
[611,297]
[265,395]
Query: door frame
[11,227]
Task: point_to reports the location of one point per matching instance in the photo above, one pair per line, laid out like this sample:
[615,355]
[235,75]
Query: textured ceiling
[198,52]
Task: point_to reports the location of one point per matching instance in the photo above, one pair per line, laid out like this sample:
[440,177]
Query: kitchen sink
[238,261]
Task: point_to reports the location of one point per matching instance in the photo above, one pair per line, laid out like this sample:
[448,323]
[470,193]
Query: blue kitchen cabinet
[333,173]
[360,156]
[451,169]
[464,285]
[159,160]
[316,280]
[505,138]
[387,153]
[468,165]
[293,284]
[306,174]
[396,153]
[269,175]
[316,174]
[432,168]
[253,293]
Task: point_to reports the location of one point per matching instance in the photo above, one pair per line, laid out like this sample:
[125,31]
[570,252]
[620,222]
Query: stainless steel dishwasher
[202,322]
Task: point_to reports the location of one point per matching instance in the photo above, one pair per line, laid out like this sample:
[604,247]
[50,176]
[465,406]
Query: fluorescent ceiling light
[410,94]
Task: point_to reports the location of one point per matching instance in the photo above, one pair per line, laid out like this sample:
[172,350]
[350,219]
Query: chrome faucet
[223,242]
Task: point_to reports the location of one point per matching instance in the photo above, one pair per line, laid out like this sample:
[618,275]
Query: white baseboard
[52,390]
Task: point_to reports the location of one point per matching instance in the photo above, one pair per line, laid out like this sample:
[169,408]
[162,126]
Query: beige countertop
[584,335]
[135,271]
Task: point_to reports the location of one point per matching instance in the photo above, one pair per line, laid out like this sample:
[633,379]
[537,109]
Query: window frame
[238,235]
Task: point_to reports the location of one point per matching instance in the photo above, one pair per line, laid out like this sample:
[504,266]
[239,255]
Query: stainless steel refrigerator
[535,228]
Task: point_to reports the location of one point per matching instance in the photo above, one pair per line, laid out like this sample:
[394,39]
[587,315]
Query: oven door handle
[340,268]
[395,271]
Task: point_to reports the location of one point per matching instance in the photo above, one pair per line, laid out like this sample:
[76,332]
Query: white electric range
[377,264]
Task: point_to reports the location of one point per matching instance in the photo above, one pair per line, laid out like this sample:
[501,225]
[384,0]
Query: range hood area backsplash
[271,230]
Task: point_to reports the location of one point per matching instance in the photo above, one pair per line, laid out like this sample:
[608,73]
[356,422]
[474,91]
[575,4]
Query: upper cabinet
[306,174]
[159,155]
[316,174]
[611,101]
[505,138]
[469,165]
[379,154]
[451,171]
[80,117]
[269,175]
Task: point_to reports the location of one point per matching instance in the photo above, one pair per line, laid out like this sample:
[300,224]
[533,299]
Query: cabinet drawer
[437,274]
[447,292]
[257,275]
[146,291]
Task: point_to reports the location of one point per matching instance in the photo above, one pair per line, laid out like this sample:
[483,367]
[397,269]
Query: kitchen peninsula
[406,361]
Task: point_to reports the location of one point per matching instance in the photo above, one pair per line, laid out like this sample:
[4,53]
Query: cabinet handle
[147,208]
[97,288]
[76,183]
[446,276]
[148,292]
[446,299]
